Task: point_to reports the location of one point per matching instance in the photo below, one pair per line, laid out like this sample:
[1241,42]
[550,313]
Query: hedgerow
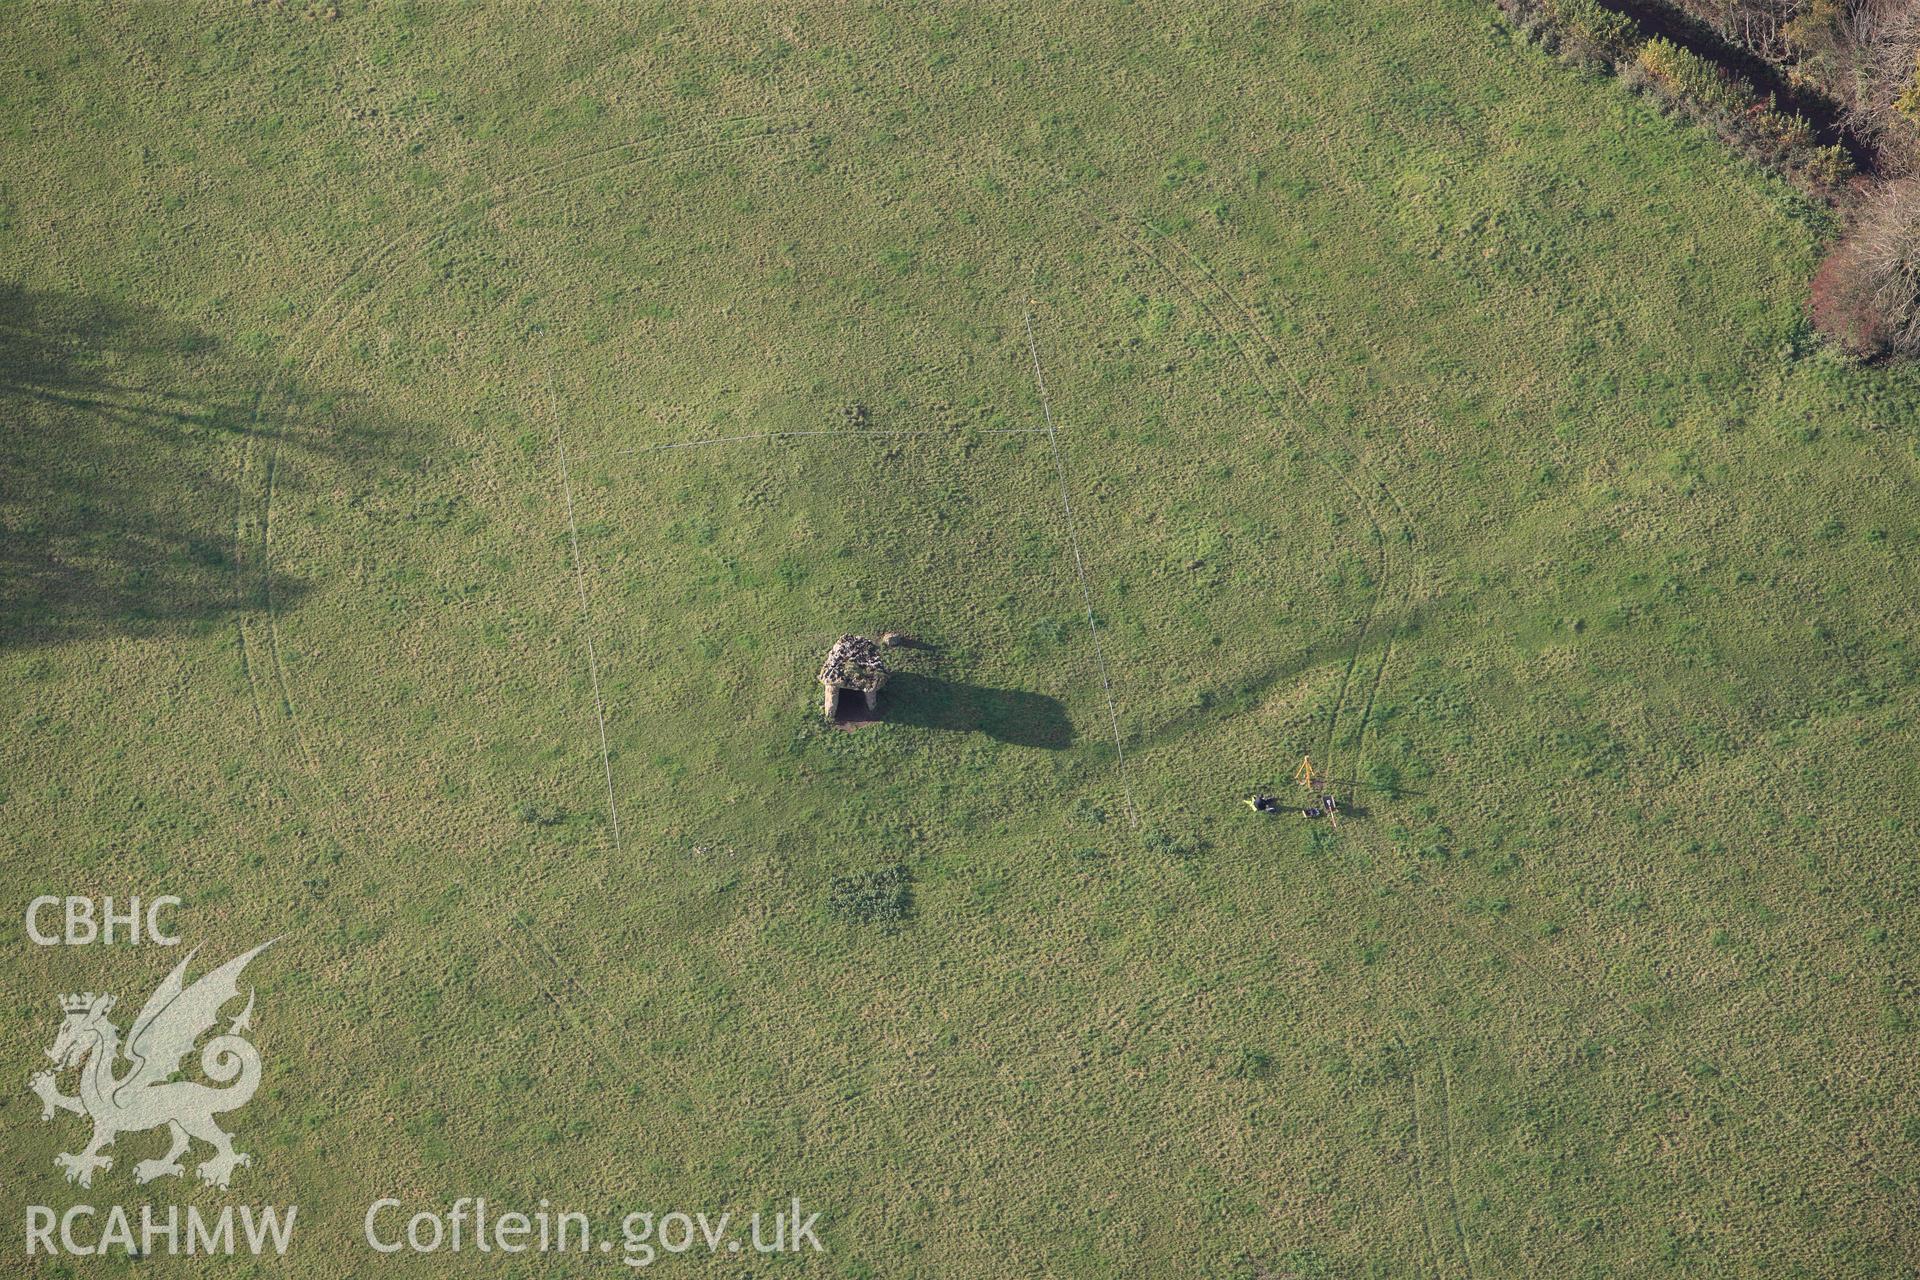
[1687,84]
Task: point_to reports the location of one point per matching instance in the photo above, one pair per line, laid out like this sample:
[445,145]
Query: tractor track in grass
[1575,999]
[843,433]
[586,618]
[1137,234]
[240,647]
[552,987]
[508,192]
[1256,366]
[1261,328]
[1437,1254]
[1589,1004]
[1386,583]
[1569,991]
[1697,1072]
[1452,1164]
[562,991]
[1080,571]
[1585,1003]
[1753,1103]
[367,276]
[554,981]
[502,193]
[373,270]
[382,263]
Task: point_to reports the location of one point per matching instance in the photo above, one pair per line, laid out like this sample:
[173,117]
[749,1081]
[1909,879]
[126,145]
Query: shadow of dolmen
[1013,716]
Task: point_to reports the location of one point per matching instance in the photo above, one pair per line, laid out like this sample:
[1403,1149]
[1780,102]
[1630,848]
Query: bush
[1693,79]
[1697,87]
[1866,295]
[1575,29]
[1908,103]
[1251,1064]
[1829,166]
[1600,30]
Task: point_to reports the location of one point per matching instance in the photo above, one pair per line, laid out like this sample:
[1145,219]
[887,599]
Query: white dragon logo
[147,1096]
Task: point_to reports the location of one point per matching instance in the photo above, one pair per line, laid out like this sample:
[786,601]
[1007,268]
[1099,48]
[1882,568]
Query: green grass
[1422,404]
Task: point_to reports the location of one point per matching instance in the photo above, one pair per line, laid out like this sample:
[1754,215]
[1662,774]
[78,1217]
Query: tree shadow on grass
[1005,715]
[123,507]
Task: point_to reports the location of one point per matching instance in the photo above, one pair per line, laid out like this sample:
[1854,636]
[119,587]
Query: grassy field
[441,443]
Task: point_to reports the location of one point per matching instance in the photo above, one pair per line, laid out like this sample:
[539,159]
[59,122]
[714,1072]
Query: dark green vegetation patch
[883,896]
